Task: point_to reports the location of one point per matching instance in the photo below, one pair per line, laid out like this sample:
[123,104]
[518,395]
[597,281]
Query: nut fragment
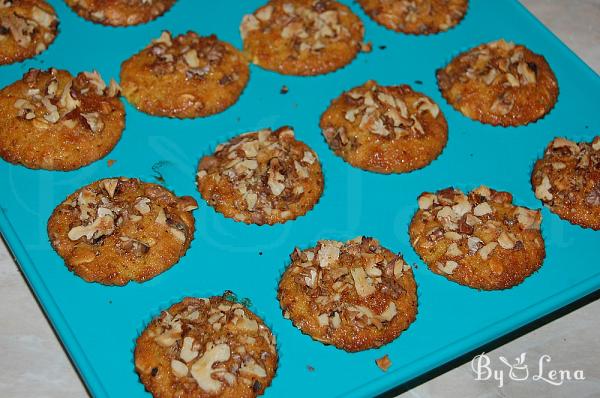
[384,362]
[482,209]
[328,253]
[142,205]
[362,284]
[505,241]
[542,191]
[486,250]
[187,353]
[110,185]
[448,267]
[202,370]
[179,368]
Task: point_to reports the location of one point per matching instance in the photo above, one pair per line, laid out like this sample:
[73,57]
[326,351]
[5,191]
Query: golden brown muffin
[120,12]
[302,37]
[27,27]
[52,120]
[355,295]
[567,181]
[387,129]
[499,83]
[206,347]
[118,230]
[420,17]
[186,76]
[479,240]
[263,177]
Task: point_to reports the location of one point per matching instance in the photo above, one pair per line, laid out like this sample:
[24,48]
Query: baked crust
[386,129]
[355,295]
[263,177]
[185,76]
[206,347]
[480,240]
[118,230]
[52,120]
[300,37]
[567,180]
[499,83]
[420,17]
[27,28]
[120,12]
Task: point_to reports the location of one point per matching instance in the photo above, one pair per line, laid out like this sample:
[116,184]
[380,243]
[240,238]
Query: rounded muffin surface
[206,347]
[355,295]
[567,180]
[385,129]
[419,17]
[27,28]
[262,177]
[120,12]
[55,121]
[480,239]
[299,37]
[499,83]
[118,230]
[186,76]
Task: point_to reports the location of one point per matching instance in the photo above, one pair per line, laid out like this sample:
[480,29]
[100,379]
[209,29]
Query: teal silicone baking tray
[98,324]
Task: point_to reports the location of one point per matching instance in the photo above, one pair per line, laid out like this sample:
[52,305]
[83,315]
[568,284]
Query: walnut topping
[328,253]
[142,205]
[529,219]
[55,97]
[482,209]
[179,368]
[566,179]
[164,38]
[542,191]
[564,143]
[203,369]
[264,14]
[448,267]
[426,201]
[170,331]
[362,284]
[506,241]
[189,54]
[486,250]
[187,352]
[110,186]
[211,344]
[503,104]
[383,111]
[27,30]
[268,169]
[457,225]
[249,24]
[311,26]
[503,74]
[337,274]
[499,63]
[103,225]
[593,198]
[94,121]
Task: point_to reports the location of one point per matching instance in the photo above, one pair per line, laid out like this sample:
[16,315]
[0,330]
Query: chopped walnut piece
[363,286]
[542,191]
[486,250]
[179,368]
[362,283]
[384,363]
[202,370]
